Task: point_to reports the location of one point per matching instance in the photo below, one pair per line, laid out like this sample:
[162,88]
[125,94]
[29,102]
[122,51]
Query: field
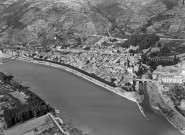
[30,133]
[28,128]
[19,96]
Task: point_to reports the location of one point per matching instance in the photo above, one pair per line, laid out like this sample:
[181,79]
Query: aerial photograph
[92,67]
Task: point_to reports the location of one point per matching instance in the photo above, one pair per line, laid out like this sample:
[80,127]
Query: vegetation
[34,106]
[165,51]
[177,93]
[16,112]
[7,78]
[168,51]
[144,41]
[70,128]
[167,112]
[36,23]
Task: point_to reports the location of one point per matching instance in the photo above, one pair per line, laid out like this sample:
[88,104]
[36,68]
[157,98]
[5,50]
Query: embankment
[132,96]
[157,102]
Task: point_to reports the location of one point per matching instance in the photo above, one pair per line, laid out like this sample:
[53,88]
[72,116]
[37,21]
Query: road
[95,35]
[172,39]
[145,80]
[54,120]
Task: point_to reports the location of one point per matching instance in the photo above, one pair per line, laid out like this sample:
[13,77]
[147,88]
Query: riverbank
[176,126]
[154,108]
[34,104]
[132,96]
[158,103]
[67,92]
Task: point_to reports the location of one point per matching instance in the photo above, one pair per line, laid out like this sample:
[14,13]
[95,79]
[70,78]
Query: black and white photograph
[92,67]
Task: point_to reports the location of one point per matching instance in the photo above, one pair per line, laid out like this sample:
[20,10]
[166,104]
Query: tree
[144,41]
[159,45]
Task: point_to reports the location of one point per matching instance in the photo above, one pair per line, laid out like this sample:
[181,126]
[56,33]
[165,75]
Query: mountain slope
[74,19]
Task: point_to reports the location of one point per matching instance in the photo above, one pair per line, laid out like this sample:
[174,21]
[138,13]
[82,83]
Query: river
[89,107]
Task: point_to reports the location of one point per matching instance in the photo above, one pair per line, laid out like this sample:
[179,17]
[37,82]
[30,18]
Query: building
[133,48]
[172,79]
[169,59]
[171,74]
[130,70]
[155,49]
[182,67]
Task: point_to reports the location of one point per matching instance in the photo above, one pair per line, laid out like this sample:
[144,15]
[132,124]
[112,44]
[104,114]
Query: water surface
[89,107]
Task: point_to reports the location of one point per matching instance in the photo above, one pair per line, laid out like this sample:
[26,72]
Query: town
[119,66]
[128,68]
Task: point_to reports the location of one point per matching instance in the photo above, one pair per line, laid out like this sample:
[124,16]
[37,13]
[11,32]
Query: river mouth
[89,107]
[147,107]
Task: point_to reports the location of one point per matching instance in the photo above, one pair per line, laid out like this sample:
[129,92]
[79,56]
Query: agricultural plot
[175,26]
[31,127]
[30,133]
[21,96]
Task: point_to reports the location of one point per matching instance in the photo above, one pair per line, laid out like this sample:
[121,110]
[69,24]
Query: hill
[46,22]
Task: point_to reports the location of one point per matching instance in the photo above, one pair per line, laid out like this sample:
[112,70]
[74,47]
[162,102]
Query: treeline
[165,51]
[34,107]
[177,94]
[169,113]
[144,41]
[79,70]
[168,51]
[6,78]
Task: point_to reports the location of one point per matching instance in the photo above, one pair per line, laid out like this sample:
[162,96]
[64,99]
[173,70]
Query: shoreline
[128,95]
[131,96]
[157,108]
[116,90]
[174,124]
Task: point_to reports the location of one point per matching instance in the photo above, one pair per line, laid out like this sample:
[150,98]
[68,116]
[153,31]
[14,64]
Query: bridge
[59,127]
[144,80]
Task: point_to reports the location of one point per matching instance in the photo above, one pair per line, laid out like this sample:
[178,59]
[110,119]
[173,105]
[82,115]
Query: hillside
[58,21]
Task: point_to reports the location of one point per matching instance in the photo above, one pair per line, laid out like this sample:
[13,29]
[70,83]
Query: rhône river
[91,108]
